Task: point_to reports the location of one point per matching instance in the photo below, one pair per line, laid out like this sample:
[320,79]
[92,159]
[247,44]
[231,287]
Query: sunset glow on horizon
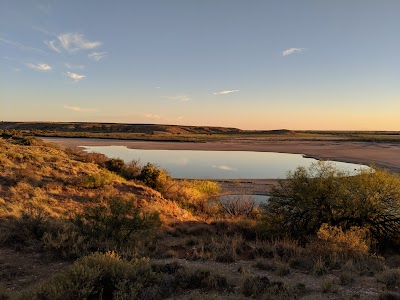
[300,65]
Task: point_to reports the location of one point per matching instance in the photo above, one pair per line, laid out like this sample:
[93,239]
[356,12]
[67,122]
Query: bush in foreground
[322,194]
[108,276]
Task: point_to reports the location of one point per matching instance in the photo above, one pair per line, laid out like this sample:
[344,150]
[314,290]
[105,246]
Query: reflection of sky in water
[216,164]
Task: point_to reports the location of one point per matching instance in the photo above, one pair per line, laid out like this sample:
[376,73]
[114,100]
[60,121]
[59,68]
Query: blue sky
[311,64]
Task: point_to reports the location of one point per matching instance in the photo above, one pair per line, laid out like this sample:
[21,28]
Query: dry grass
[62,204]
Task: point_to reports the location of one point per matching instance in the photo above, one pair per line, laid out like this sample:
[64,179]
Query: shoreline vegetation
[77,225]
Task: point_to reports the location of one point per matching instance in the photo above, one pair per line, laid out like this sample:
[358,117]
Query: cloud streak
[96,56]
[21,46]
[72,42]
[53,46]
[75,76]
[291,51]
[181,98]
[79,109]
[226,92]
[39,67]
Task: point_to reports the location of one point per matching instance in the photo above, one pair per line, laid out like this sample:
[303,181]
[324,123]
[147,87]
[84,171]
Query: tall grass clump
[196,195]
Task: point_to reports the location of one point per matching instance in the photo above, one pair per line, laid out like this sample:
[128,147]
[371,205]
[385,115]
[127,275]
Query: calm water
[216,164]
[258,199]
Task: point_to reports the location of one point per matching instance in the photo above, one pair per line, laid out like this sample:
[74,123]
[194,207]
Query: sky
[250,64]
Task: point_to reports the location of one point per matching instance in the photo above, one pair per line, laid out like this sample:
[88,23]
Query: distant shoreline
[384,155]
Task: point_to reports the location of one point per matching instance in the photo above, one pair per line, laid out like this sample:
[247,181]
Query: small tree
[322,194]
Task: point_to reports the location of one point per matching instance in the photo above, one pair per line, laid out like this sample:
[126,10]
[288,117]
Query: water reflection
[217,164]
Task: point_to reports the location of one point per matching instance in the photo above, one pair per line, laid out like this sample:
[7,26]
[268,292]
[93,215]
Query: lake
[217,164]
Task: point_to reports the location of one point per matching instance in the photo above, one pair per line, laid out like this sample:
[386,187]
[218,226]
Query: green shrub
[116,165]
[154,177]
[98,276]
[322,194]
[131,170]
[114,221]
[98,180]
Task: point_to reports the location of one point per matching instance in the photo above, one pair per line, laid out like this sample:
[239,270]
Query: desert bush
[100,179]
[116,165]
[131,170]
[154,177]
[92,157]
[98,276]
[332,240]
[322,194]
[25,230]
[66,241]
[114,220]
[237,206]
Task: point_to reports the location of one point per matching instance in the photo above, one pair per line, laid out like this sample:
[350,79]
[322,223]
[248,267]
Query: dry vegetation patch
[132,232]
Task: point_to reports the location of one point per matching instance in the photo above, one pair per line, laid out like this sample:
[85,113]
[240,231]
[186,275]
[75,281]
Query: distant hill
[115,127]
[129,128]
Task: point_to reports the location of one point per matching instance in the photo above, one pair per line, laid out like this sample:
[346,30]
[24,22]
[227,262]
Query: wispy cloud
[39,67]
[21,46]
[43,30]
[291,51]
[226,92]
[79,109]
[72,42]
[224,168]
[74,67]
[97,55]
[76,77]
[182,98]
[53,46]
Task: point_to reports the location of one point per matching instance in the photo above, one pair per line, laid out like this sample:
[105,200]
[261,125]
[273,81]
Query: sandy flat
[385,155]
